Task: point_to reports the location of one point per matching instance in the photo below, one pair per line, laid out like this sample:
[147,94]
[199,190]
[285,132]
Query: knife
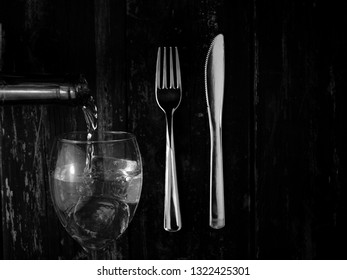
[214,88]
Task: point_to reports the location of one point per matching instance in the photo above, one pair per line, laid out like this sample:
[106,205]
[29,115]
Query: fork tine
[178,70]
[157,72]
[164,70]
[172,83]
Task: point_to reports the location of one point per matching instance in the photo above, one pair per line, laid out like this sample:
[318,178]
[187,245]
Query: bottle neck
[42,88]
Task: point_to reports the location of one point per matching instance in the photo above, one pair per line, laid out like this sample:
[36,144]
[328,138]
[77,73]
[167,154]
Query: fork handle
[217,212]
[172,213]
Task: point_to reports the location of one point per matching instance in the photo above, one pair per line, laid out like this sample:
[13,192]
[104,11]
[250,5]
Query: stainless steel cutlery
[168,93]
[214,87]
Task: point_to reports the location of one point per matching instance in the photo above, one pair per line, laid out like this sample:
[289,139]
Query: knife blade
[214,88]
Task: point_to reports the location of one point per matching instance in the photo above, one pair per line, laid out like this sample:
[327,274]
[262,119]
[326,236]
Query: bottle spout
[42,88]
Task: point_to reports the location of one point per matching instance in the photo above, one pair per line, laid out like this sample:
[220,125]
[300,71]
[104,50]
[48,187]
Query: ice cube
[125,165]
[68,173]
[134,189]
[70,154]
[101,217]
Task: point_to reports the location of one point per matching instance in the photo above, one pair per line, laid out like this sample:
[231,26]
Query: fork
[168,99]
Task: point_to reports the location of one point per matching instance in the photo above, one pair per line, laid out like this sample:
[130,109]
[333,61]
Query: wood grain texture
[283,124]
[299,185]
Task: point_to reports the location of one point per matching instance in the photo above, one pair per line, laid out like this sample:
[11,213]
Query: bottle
[42,88]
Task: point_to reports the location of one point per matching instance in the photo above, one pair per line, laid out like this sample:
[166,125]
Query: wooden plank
[23,187]
[283,136]
[110,31]
[2,44]
[297,159]
[237,26]
[330,196]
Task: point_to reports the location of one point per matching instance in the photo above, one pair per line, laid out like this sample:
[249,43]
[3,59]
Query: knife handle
[217,211]
[172,213]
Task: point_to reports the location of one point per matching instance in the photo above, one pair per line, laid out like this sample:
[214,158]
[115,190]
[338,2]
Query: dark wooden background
[285,153]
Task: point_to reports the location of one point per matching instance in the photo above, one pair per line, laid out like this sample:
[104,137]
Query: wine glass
[95,185]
